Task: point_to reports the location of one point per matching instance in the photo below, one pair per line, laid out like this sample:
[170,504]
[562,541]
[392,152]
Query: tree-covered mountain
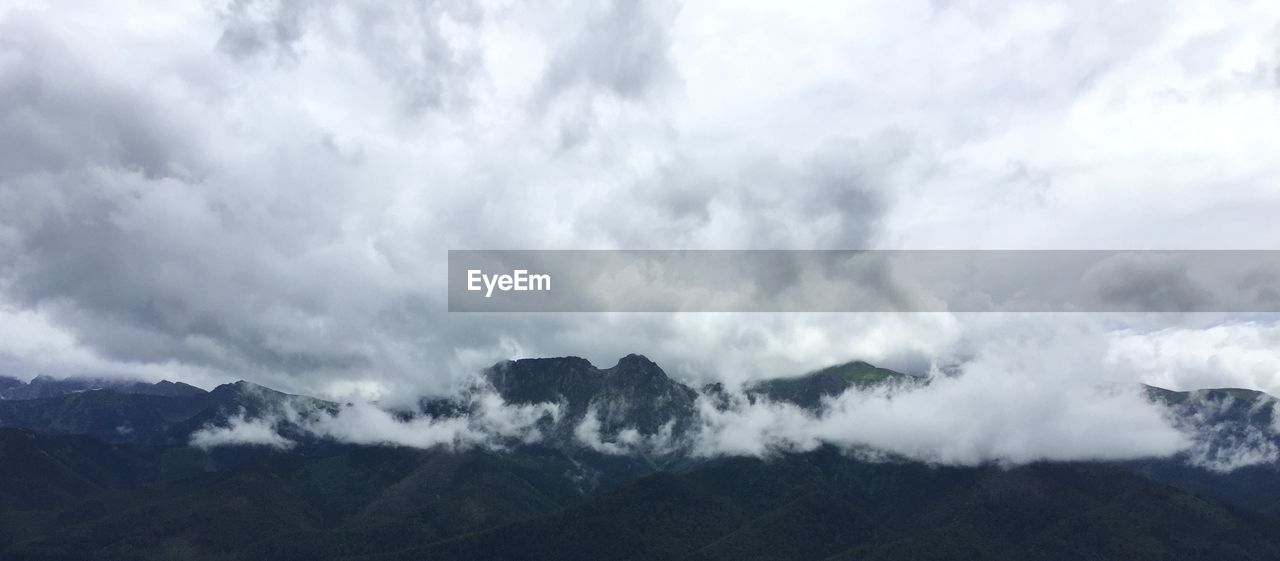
[827,505]
[75,485]
[360,502]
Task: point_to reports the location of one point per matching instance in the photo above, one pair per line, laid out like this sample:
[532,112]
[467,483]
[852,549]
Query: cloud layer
[265,189]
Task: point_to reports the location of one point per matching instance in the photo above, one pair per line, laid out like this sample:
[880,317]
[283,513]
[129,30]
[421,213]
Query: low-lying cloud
[491,423]
[241,431]
[955,421]
[986,413]
[626,441]
[488,422]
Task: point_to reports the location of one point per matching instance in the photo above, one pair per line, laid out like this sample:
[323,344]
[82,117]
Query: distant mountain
[809,390]
[104,414]
[42,387]
[247,400]
[633,403]
[1221,405]
[164,413]
[632,407]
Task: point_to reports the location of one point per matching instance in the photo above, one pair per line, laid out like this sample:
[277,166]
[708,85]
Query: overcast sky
[209,191]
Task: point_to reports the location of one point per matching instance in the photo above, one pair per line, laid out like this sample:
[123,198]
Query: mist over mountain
[635,409]
[559,459]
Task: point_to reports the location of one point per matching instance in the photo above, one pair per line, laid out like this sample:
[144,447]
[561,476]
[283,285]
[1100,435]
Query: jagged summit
[636,380]
[633,394]
[634,365]
[531,380]
[635,360]
[575,364]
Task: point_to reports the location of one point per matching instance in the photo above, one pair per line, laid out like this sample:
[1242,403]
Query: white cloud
[217,191]
[1223,429]
[1229,355]
[1223,452]
[1025,398]
[627,441]
[240,431]
[492,423]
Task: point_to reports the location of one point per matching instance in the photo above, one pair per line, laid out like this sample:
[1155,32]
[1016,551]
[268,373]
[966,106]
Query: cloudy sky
[209,191]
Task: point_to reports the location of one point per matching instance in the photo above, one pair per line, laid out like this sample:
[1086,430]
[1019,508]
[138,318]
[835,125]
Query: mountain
[1228,424]
[45,387]
[612,479]
[104,414]
[140,413]
[247,400]
[634,394]
[7,384]
[809,390]
[1238,409]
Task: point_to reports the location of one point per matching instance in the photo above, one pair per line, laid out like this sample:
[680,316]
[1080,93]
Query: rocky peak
[633,394]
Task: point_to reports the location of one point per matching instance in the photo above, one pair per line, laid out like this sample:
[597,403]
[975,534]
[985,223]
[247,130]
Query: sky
[266,190]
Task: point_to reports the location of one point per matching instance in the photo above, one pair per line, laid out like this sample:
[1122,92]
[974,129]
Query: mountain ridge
[634,394]
[150,495]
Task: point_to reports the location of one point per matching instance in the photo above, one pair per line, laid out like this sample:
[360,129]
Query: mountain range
[103,469]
